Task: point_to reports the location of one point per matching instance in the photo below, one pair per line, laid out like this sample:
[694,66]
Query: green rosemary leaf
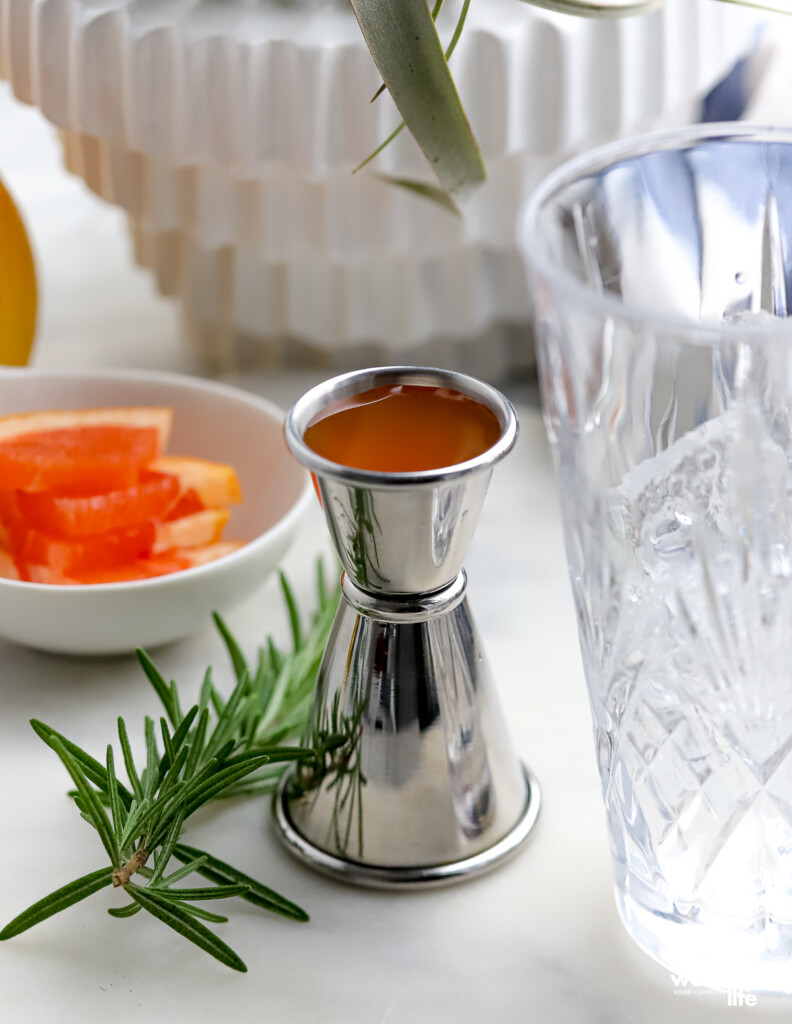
[238,661]
[171,914]
[181,734]
[58,900]
[115,802]
[94,771]
[163,811]
[151,771]
[274,754]
[162,688]
[129,763]
[207,892]
[216,700]
[178,796]
[266,680]
[225,751]
[282,732]
[294,613]
[187,869]
[277,696]
[292,723]
[321,584]
[204,915]
[221,780]
[276,658]
[128,911]
[197,743]
[91,801]
[174,693]
[216,870]
[226,721]
[204,699]
[171,777]
[167,743]
[262,667]
[138,815]
[166,851]
[260,786]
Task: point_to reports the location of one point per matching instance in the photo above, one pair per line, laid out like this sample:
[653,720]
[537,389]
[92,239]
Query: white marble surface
[537,941]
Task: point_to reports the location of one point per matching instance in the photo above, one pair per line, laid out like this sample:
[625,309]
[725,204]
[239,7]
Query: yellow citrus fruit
[17,286]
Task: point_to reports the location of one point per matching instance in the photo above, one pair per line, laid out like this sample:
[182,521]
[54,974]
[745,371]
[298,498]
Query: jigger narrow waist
[406,607]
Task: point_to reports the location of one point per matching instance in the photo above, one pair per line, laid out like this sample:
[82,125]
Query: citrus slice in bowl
[89,450]
[71,516]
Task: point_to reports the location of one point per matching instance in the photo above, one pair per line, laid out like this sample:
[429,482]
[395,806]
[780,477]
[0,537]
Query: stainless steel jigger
[417,782]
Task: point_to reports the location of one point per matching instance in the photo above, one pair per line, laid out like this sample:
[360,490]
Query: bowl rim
[189,383]
[539,260]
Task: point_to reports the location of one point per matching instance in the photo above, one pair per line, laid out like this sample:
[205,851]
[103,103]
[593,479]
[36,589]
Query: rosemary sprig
[220,747]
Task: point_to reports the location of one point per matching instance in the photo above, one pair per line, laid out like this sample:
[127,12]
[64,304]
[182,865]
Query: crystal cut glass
[661,271]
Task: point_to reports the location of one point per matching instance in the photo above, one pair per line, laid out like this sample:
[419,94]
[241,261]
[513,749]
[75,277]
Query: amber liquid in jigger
[403,428]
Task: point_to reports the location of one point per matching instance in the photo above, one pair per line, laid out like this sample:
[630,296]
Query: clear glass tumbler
[661,271]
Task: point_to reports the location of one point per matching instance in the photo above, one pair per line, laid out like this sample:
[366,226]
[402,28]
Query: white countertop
[539,940]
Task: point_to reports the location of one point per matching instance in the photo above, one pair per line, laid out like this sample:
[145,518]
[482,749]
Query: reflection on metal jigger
[416,781]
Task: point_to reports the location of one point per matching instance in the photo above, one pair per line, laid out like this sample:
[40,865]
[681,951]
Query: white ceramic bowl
[212,421]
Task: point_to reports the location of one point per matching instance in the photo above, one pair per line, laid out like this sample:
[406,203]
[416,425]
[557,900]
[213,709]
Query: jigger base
[427,876]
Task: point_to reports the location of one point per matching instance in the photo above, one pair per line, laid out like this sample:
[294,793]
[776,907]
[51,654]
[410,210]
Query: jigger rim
[539,257]
[312,402]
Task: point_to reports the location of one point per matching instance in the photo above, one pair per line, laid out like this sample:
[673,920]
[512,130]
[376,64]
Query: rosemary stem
[123,875]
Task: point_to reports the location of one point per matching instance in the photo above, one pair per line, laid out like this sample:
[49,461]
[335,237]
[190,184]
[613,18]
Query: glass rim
[540,259]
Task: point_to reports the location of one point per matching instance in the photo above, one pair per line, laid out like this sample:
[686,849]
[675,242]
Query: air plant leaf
[425,190]
[781,6]
[403,41]
[598,8]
